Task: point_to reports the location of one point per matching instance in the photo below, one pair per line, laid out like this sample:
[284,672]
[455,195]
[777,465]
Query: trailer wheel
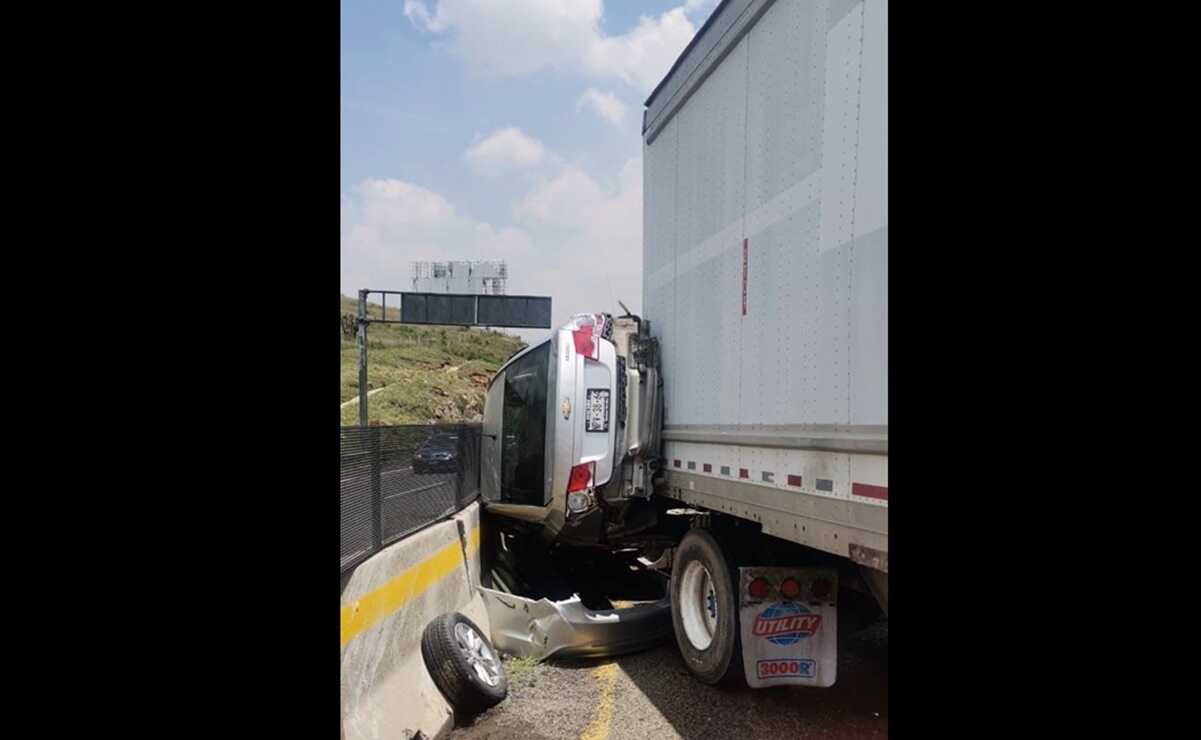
[463,664]
[704,610]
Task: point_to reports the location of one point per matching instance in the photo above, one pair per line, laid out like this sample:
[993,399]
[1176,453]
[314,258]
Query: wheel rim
[698,605]
[480,656]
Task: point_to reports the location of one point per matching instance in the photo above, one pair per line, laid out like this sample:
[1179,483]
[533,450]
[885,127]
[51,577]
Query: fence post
[467,477]
[477,444]
[461,463]
[362,335]
[377,539]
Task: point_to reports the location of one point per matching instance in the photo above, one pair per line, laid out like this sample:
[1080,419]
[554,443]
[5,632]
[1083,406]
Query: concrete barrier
[387,692]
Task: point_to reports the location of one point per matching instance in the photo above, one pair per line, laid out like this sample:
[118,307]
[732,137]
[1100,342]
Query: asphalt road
[652,695]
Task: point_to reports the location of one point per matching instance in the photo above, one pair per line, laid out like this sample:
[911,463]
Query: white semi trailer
[742,421]
[765,272]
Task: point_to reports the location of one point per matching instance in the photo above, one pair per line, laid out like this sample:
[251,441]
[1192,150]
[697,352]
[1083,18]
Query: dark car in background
[439,454]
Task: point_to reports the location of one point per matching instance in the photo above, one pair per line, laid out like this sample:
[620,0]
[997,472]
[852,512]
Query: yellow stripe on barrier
[366,611]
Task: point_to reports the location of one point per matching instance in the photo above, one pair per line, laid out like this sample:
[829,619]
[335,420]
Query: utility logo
[786,623]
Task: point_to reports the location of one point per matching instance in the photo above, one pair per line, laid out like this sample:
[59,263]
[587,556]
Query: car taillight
[581,477]
[584,333]
[585,343]
[759,588]
[790,588]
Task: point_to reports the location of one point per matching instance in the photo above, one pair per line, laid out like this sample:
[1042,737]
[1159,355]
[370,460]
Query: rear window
[523,451]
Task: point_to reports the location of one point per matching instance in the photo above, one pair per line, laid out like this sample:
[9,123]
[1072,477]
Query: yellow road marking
[598,729]
[364,613]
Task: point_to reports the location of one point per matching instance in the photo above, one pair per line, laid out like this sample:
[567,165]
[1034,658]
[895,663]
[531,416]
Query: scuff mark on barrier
[470,543]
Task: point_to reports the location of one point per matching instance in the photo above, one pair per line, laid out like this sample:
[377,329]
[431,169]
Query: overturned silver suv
[571,433]
[569,460]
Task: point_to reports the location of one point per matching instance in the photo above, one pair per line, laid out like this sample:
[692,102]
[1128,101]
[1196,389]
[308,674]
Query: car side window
[523,426]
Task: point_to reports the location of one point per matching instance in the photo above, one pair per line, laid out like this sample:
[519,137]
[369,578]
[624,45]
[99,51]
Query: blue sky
[502,129]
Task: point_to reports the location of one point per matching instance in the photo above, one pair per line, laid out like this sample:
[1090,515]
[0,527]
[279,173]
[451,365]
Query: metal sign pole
[363,358]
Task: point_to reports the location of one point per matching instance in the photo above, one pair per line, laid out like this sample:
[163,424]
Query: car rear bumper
[540,628]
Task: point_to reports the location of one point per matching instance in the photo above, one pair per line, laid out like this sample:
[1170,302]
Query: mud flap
[789,627]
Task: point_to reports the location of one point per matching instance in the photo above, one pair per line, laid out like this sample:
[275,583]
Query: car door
[518,425]
[490,441]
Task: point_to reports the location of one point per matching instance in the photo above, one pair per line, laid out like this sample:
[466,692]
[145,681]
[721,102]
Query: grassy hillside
[428,374]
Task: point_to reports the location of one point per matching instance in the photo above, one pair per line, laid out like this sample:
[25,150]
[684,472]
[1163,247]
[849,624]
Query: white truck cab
[570,437]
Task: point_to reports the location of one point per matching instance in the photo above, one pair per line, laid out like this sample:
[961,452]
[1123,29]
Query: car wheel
[463,664]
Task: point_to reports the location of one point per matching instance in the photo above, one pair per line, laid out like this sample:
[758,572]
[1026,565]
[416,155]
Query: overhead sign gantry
[448,309]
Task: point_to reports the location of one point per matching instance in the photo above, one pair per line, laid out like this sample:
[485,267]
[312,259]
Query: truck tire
[704,610]
[464,665]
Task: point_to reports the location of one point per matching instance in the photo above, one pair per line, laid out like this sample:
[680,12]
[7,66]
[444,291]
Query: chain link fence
[398,479]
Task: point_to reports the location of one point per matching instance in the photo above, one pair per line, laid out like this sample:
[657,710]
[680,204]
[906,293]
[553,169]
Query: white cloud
[565,200]
[511,38]
[397,205]
[605,105]
[701,8]
[503,150]
[347,213]
[506,242]
[518,37]
[573,238]
[388,223]
[416,12]
[642,57]
[596,233]
[609,218]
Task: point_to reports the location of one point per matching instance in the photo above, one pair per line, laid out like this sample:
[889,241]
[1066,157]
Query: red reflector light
[759,588]
[790,588]
[585,343]
[821,588]
[581,477]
